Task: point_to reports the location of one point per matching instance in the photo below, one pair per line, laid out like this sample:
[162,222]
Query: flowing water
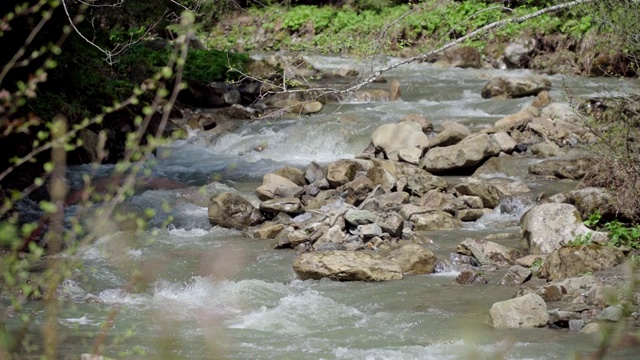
[212,293]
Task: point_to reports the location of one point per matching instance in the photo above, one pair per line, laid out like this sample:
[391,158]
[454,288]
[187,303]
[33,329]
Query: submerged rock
[346,266]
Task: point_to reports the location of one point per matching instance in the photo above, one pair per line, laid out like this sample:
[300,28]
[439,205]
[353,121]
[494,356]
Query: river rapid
[215,293]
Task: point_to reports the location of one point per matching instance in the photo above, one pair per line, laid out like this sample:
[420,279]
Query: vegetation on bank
[387,29]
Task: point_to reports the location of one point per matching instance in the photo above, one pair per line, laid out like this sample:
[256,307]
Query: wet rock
[383,174]
[346,266]
[471,202]
[384,201]
[268,230]
[546,150]
[358,190]
[516,275]
[572,261]
[391,138]
[505,141]
[461,259]
[508,187]
[333,235]
[465,154]
[410,155]
[470,214]
[492,167]
[547,227]
[434,199]
[435,220]
[514,121]
[421,182]
[574,169]
[291,206]
[542,100]
[231,210]
[299,107]
[515,87]
[452,134]
[488,252]
[527,311]
[489,194]
[461,57]
[412,258]
[297,237]
[316,176]
[274,185]
[369,95]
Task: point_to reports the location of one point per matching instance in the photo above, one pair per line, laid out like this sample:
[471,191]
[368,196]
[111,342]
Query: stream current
[217,294]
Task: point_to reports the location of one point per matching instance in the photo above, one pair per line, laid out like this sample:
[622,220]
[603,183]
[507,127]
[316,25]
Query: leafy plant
[621,235]
[580,240]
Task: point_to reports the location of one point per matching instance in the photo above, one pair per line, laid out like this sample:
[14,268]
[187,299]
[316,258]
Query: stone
[291,206]
[292,173]
[298,107]
[529,260]
[341,172]
[344,71]
[333,235]
[231,210]
[590,200]
[268,230]
[358,190]
[547,227]
[471,202]
[516,275]
[542,100]
[297,237]
[369,230]
[591,328]
[346,266]
[488,252]
[382,175]
[508,187]
[515,87]
[546,150]
[410,155]
[391,138]
[517,53]
[412,258]
[514,121]
[435,199]
[391,222]
[316,175]
[463,155]
[470,214]
[490,168]
[360,217]
[505,141]
[385,200]
[489,194]
[435,220]
[421,182]
[572,261]
[612,313]
[452,134]
[427,126]
[273,184]
[574,169]
[528,311]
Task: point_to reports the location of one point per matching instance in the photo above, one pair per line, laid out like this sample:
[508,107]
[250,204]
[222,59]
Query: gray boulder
[274,186]
[291,206]
[468,153]
[574,169]
[391,138]
[572,261]
[412,258]
[515,87]
[488,252]
[452,134]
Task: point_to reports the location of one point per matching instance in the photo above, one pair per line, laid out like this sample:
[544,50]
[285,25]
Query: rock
[410,155]
[231,210]
[435,199]
[546,150]
[369,230]
[452,134]
[391,138]
[471,202]
[292,173]
[371,95]
[505,141]
[470,214]
[360,217]
[346,266]
[591,328]
[412,258]
[517,53]
[344,71]
[316,175]
[383,174]
[508,187]
[546,227]
[572,261]
[391,222]
[465,154]
[488,252]
[358,190]
[612,313]
[561,112]
[492,167]
[341,172]
[515,87]
[527,311]
[590,200]
[427,126]
[384,201]
[529,260]
[274,185]
[461,57]
[514,121]
[291,206]
[435,220]
[574,169]
[268,230]
[394,90]
[542,100]
[299,107]
[489,194]
[516,275]
[297,237]
[421,182]
[333,235]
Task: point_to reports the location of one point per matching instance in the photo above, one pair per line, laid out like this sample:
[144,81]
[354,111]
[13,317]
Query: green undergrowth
[619,233]
[349,30]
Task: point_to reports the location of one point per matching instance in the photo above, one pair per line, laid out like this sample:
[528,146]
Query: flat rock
[528,311]
[346,266]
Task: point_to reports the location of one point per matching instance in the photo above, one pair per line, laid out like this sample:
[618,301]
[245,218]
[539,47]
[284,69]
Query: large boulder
[488,252]
[489,194]
[547,227]
[391,138]
[452,134]
[231,210]
[292,173]
[572,261]
[515,87]
[588,201]
[464,155]
[528,311]
[564,169]
[346,266]
[412,258]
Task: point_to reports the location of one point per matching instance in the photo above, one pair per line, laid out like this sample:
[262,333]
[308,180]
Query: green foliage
[580,240]
[593,220]
[622,235]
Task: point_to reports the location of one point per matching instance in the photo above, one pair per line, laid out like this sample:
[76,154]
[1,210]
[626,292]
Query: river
[215,293]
